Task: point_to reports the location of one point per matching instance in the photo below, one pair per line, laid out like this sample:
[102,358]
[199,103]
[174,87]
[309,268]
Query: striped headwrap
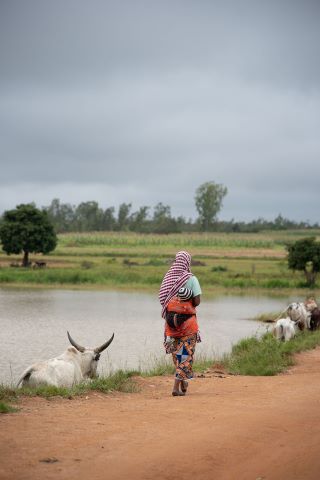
[176,277]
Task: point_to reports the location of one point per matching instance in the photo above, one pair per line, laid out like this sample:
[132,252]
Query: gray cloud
[143,101]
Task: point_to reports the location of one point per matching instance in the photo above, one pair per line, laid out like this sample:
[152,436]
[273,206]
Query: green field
[138,261]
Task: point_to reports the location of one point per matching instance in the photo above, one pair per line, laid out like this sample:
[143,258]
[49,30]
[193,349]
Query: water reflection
[33,325]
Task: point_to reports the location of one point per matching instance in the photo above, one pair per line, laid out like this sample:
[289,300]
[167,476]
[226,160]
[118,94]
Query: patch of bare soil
[244,253]
[226,428]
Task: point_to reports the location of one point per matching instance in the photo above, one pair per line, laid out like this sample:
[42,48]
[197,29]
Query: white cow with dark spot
[285,329]
[298,312]
[76,364]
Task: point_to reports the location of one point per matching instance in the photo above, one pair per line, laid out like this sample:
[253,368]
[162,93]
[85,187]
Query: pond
[34,324]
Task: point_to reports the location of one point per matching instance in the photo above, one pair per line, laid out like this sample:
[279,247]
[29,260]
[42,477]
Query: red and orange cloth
[188,327]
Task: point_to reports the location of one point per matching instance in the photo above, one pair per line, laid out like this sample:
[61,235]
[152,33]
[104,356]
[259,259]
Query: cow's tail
[26,375]
[282,333]
[278,332]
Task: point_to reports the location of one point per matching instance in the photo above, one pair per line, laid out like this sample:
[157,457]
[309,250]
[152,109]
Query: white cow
[298,312]
[285,329]
[73,366]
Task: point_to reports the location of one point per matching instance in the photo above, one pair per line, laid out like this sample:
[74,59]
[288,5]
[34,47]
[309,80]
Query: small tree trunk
[25,261]
[310,277]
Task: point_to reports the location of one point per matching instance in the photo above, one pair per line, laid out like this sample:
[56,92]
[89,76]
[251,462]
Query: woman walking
[179,296]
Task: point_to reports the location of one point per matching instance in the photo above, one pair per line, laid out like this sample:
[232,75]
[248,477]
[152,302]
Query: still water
[34,324]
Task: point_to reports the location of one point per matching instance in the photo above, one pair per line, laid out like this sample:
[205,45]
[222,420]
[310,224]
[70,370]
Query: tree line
[89,216]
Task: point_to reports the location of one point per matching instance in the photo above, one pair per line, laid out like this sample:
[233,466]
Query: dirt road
[226,428]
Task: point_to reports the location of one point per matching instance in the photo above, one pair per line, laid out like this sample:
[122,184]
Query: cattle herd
[299,316]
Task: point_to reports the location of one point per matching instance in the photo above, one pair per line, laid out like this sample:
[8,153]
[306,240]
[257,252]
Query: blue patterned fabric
[183,356]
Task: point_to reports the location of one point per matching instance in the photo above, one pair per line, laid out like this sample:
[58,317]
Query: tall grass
[267,356]
[175,240]
[266,239]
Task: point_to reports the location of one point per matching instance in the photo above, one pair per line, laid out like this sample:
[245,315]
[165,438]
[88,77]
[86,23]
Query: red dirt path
[230,428]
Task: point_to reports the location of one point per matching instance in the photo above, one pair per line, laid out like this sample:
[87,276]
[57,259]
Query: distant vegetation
[304,256]
[129,260]
[90,217]
[25,230]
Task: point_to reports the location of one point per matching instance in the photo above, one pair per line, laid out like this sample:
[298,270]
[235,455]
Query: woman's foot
[177,394]
[175,391]
[184,386]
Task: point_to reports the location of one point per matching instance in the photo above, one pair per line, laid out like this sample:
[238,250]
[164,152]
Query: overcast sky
[143,101]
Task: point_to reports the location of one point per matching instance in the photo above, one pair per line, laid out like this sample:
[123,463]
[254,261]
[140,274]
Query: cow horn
[78,347]
[104,346]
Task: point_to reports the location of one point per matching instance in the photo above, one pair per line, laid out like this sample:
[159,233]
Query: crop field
[138,261]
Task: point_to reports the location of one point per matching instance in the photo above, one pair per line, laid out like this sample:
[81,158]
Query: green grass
[266,239]
[159,366]
[147,273]
[267,356]
[4,408]
[120,381]
[139,261]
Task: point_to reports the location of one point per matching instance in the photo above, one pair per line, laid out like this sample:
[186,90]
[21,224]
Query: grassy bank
[263,356]
[119,260]
[267,356]
[120,381]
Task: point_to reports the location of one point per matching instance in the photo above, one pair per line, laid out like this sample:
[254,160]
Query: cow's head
[89,356]
[295,311]
[310,304]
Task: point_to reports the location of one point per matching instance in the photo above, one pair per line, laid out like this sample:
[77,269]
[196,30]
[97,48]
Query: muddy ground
[226,428]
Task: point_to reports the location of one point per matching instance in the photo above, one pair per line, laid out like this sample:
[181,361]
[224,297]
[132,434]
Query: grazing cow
[76,364]
[298,312]
[315,319]
[310,304]
[285,328]
[39,264]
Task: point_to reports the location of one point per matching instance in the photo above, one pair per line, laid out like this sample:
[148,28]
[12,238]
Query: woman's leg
[184,386]
[175,391]
[183,360]
[177,382]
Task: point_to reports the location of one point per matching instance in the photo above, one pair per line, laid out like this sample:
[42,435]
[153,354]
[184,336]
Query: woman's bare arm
[196,300]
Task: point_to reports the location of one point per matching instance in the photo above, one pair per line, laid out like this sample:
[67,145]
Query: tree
[27,230]
[108,221]
[123,216]
[208,200]
[61,215]
[139,219]
[162,221]
[88,216]
[304,255]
